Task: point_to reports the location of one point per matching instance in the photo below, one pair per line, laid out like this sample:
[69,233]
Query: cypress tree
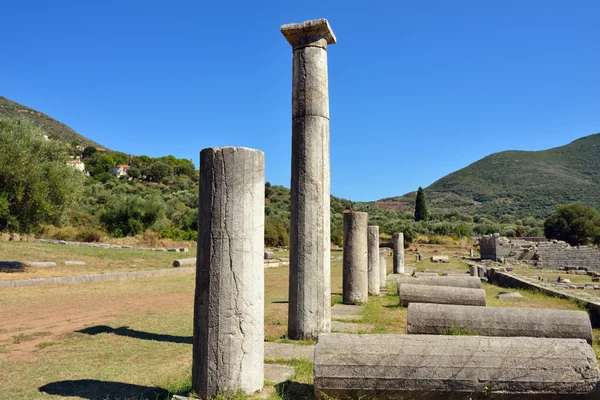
[420,206]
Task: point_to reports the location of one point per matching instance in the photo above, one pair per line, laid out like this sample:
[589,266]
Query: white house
[120,170]
[77,164]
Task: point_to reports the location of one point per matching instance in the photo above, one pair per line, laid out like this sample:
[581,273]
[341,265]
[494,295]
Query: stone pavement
[288,351]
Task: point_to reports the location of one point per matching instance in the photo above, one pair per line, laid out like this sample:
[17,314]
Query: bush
[36,184]
[175,233]
[130,214]
[88,234]
[276,234]
[576,224]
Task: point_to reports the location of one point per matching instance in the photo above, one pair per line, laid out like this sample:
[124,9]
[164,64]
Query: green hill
[52,127]
[526,183]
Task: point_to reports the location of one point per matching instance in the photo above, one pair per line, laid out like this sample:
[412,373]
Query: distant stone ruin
[540,252]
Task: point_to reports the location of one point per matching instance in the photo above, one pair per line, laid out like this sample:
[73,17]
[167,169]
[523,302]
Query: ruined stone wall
[561,255]
[493,247]
[550,254]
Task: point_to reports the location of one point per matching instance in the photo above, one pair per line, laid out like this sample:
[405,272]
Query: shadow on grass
[12,266]
[125,331]
[290,390]
[102,390]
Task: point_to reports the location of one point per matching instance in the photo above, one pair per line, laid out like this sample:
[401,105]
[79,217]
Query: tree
[133,172]
[130,214]
[88,152]
[159,170]
[99,164]
[420,206]
[576,224]
[36,184]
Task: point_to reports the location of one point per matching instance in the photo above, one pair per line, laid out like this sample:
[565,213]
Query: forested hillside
[520,183]
[52,127]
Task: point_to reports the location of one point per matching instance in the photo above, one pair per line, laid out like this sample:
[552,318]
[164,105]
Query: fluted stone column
[398,242]
[228,344]
[382,270]
[373,264]
[309,311]
[355,285]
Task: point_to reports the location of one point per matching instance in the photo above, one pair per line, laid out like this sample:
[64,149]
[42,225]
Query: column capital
[309,33]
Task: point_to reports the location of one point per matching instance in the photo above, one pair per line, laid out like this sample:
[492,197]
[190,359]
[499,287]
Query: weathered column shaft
[398,244]
[432,367]
[440,295]
[473,270]
[309,286]
[228,345]
[355,263]
[465,281]
[382,270]
[439,319]
[373,265]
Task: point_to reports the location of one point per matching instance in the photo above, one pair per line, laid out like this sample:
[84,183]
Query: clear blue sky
[417,89]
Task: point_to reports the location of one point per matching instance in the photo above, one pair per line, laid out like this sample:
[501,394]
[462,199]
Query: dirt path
[59,311]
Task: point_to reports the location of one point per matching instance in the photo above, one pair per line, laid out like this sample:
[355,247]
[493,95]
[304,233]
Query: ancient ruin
[309,286]
[355,263]
[228,343]
[439,319]
[540,252]
[465,281]
[382,269]
[410,293]
[398,245]
[374,267]
[453,367]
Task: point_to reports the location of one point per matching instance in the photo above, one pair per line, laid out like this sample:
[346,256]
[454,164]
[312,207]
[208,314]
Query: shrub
[276,233]
[88,234]
[576,224]
[36,184]
[130,214]
[175,233]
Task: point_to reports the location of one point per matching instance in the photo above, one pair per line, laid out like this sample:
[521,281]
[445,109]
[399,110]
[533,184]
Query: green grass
[458,331]
[455,264]
[140,344]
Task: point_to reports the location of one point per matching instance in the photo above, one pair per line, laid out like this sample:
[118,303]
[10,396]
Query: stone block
[441,295]
[184,261]
[453,367]
[439,319]
[509,295]
[440,259]
[451,280]
[41,264]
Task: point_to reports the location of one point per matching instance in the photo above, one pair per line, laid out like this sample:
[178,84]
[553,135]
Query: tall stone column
[309,311]
[398,242]
[228,345]
[373,246]
[382,270]
[355,265]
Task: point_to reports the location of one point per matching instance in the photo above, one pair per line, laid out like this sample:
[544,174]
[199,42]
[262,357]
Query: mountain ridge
[53,127]
[517,182]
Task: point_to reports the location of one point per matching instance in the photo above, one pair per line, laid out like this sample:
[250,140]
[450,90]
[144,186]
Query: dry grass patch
[98,260]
